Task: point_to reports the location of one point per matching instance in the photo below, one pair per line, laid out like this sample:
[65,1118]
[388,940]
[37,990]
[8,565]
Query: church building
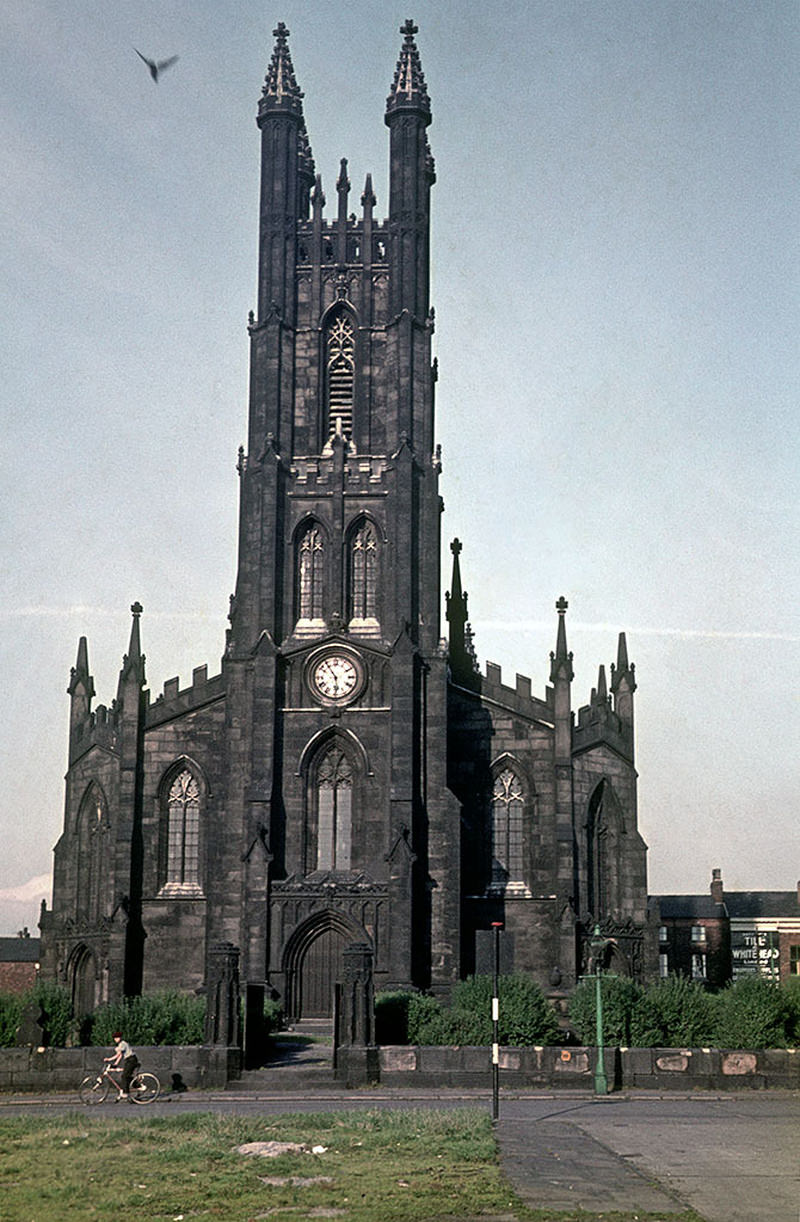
[350,776]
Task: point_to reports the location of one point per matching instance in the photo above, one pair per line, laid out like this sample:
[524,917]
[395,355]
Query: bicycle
[144,1088]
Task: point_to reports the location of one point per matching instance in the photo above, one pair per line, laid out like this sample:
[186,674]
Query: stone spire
[408,91]
[133,661]
[461,650]
[561,660]
[281,91]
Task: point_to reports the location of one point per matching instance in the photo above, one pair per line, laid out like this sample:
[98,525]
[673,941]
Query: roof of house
[762,903]
[690,906]
[739,905]
[19,950]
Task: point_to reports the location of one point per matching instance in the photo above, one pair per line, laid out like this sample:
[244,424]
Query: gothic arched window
[182,865]
[340,368]
[363,576]
[600,841]
[92,868]
[334,801]
[508,804]
[311,578]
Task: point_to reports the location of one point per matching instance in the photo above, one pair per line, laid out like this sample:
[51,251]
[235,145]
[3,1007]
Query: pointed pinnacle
[561,660]
[281,91]
[622,653]
[408,89]
[79,674]
[368,199]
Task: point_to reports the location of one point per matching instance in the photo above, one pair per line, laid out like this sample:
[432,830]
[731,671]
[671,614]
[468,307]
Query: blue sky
[616,275]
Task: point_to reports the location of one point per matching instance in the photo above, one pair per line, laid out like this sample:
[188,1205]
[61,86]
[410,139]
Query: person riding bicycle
[124,1056]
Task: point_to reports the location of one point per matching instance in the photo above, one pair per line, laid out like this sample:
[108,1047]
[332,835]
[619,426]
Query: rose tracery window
[183,831]
[508,801]
[340,352]
[334,783]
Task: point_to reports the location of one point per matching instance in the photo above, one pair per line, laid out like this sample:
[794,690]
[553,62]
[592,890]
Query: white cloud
[34,890]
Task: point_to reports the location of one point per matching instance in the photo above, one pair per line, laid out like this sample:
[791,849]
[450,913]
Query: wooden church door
[320,968]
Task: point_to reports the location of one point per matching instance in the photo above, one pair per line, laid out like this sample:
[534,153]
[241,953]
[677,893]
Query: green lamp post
[597,944]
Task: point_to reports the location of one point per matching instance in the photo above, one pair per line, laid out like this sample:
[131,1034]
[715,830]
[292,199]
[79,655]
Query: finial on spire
[561,660]
[408,91]
[133,661]
[281,91]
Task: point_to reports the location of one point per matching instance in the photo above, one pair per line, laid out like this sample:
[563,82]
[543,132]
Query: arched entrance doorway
[314,964]
[83,981]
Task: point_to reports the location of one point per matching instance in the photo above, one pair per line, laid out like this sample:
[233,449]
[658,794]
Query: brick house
[350,776]
[19,963]
[725,935]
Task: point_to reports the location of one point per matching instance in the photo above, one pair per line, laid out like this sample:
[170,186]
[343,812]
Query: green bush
[10,1013]
[273,1015]
[157,1018]
[674,1013]
[791,992]
[752,1013]
[425,1020]
[56,1006]
[391,1016]
[525,1016]
[620,995]
[51,1000]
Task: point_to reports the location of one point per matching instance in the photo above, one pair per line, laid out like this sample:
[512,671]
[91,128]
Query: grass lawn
[377,1166]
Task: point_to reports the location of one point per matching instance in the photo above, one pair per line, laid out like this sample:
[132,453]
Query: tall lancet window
[340,365]
[92,852]
[183,832]
[311,579]
[363,577]
[508,804]
[597,850]
[334,811]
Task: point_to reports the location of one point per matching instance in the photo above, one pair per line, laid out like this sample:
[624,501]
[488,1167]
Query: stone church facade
[350,776]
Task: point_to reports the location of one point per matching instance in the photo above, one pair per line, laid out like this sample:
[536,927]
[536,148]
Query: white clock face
[335,677]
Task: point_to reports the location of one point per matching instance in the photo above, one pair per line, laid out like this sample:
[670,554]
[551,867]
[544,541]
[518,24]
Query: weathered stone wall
[650,1068]
[63,1069]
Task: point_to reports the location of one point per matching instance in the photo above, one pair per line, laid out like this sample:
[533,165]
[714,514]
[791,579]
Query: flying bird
[157,66]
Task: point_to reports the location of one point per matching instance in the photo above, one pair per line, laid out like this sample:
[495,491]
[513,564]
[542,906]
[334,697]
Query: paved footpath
[731,1157]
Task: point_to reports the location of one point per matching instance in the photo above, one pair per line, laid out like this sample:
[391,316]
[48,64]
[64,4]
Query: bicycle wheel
[145,1088]
[93,1089]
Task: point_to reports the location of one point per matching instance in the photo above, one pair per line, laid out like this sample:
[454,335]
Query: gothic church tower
[337,821]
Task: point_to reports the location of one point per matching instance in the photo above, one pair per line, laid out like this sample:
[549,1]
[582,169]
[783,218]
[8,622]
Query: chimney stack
[716,886]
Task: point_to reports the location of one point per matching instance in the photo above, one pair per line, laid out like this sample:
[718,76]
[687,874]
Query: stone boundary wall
[62,1069]
[554,1068]
[550,1068]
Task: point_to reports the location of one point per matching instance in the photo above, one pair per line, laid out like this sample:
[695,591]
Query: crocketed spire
[281,91]
[408,91]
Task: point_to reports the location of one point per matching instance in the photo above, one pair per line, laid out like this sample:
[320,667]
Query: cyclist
[124,1056]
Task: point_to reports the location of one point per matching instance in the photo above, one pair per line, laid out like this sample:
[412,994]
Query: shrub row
[159,1018]
[679,1013]
[672,1013]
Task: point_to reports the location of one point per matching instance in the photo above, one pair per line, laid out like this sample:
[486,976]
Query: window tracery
[311,578]
[363,561]
[508,803]
[334,792]
[183,832]
[340,351]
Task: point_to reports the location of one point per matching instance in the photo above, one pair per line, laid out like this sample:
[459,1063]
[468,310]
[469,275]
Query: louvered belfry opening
[340,354]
